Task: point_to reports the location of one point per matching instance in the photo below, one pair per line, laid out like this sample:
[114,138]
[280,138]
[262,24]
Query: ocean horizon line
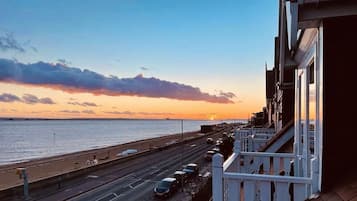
[176,119]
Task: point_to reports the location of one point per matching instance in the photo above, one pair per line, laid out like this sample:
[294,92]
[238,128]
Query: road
[132,179]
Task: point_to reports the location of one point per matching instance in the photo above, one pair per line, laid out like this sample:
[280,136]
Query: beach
[39,169]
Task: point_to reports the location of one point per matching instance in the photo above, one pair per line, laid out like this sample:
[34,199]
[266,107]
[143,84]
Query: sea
[23,140]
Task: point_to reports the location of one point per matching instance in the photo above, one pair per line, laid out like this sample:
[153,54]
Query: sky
[135,58]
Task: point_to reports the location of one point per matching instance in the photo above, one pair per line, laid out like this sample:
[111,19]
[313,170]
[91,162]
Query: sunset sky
[135,58]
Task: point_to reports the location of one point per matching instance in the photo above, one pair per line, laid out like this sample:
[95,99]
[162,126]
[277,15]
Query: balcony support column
[217,177]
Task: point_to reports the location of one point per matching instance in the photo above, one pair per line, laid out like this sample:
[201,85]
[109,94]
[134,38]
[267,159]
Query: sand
[39,169]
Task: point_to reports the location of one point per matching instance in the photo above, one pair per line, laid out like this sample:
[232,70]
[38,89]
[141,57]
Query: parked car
[209,154]
[180,176]
[191,170]
[209,140]
[166,187]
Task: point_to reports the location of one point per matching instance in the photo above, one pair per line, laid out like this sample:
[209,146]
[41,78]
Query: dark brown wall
[269,84]
[339,96]
[288,97]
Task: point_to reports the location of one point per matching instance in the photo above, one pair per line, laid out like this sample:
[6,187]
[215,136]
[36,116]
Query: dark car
[209,154]
[181,177]
[216,150]
[209,140]
[219,142]
[166,187]
[191,170]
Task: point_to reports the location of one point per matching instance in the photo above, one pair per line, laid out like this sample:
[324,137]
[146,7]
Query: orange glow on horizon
[118,106]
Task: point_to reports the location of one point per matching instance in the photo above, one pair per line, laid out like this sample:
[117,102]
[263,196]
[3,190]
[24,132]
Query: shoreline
[88,150]
[47,167]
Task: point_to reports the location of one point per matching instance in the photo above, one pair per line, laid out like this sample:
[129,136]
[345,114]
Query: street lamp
[183,147]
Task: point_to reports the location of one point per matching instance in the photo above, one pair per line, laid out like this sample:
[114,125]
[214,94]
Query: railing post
[250,143]
[237,150]
[217,177]
[237,146]
[314,175]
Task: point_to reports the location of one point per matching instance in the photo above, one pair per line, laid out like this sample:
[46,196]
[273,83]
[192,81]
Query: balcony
[251,176]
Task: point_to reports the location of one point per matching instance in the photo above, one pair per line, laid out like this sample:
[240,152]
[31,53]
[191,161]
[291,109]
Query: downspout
[282,41]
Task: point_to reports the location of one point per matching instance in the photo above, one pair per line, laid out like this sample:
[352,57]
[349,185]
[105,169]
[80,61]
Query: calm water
[28,139]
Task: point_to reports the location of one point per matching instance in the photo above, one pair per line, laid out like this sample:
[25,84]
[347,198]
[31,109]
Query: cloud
[32,99]
[137,113]
[155,113]
[9,98]
[8,42]
[144,68]
[88,112]
[119,112]
[84,104]
[64,62]
[26,98]
[227,94]
[75,80]
[70,111]
[34,49]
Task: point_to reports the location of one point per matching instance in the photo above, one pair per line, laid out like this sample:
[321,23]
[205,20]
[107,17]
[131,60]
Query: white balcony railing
[253,138]
[253,176]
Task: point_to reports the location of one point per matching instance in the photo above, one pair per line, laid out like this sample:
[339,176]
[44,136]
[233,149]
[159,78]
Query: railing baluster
[287,166]
[299,190]
[249,190]
[282,191]
[266,165]
[276,165]
[265,191]
[233,190]
[246,164]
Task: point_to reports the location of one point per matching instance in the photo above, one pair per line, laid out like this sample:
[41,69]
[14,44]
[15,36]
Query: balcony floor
[346,190]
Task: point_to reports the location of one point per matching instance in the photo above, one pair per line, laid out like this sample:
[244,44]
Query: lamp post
[183,147]
[23,175]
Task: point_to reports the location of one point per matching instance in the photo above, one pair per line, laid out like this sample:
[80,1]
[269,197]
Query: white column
[217,177]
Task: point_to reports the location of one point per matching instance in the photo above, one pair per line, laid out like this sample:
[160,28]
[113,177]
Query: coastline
[42,168]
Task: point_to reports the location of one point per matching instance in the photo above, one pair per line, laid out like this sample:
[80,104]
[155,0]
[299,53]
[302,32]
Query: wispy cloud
[64,62]
[137,113]
[70,111]
[84,104]
[33,49]
[32,99]
[8,98]
[120,112]
[75,80]
[26,98]
[144,68]
[8,42]
[155,113]
[227,94]
[88,112]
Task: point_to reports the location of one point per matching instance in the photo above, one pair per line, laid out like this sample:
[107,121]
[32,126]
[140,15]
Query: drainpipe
[282,41]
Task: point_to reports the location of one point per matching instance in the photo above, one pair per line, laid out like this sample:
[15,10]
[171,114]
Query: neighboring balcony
[260,176]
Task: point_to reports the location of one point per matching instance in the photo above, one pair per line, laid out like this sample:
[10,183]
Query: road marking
[106,197]
[92,176]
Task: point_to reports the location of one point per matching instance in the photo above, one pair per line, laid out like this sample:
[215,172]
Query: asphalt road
[132,179]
